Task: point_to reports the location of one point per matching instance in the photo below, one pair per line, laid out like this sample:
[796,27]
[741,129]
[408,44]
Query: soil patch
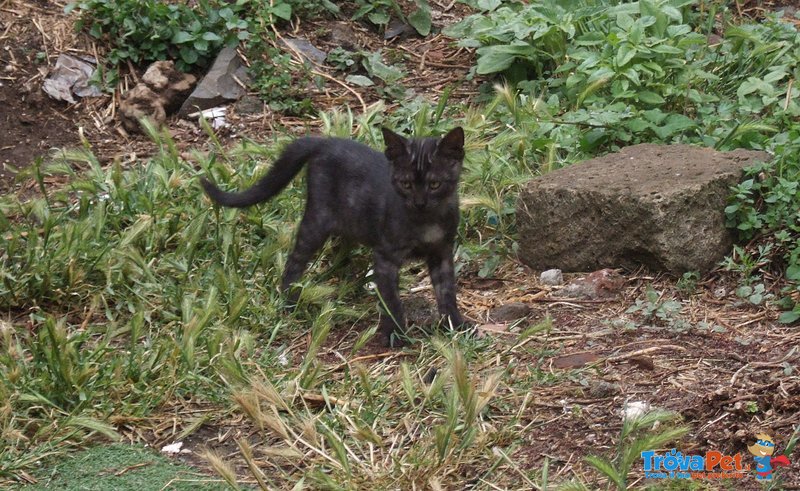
[31,122]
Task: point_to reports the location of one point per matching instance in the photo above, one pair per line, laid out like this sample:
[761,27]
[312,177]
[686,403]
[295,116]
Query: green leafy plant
[342,59]
[279,80]
[379,12]
[590,78]
[147,30]
[654,309]
[687,283]
[388,73]
[755,294]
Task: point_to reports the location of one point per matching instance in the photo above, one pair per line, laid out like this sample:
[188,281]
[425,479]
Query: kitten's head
[425,171]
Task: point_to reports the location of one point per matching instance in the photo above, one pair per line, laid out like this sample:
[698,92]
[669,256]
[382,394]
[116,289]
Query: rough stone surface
[652,205]
[306,49]
[159,93]
[248,105]
[509,312]
[341,34]
[222,84]
[602,284]
[600,389]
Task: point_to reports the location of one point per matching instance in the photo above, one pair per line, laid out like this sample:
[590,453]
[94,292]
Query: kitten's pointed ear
[396,145]
[452,144]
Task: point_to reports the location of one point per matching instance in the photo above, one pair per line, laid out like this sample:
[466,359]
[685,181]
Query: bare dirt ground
[728,383]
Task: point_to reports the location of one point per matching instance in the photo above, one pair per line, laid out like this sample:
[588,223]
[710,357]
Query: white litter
[216,116]
[635,409]
[174,448]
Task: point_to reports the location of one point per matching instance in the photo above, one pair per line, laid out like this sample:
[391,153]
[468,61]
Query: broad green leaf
[650,97]
[210,36]
[189,55]
[637,125]
[378,18]
[359,80]
[793,272]
[182,37]
[420,20]
[283,11]
[625,21]
[494,59]
[678,31]
[675,123]
[376,67]
[625,53]
[201,45]
[488,4]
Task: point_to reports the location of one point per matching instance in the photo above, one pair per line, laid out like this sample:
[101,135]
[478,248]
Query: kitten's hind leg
[311,236]
[393,320]
[443,277]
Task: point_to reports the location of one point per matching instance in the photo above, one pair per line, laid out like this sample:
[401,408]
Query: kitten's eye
[406,184]
[434,184]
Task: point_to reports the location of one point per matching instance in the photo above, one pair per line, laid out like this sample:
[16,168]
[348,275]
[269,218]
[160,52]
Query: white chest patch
[432,234]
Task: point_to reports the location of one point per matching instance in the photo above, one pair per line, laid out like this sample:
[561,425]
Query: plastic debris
[69,77]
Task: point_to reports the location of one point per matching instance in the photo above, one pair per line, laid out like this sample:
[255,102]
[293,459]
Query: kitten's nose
[419,204]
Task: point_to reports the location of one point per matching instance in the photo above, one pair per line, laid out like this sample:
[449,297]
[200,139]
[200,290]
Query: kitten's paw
[468,326]
[391,339]
[457,324]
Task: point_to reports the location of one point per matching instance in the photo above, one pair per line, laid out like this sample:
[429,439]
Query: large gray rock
[222,84]
[652,205]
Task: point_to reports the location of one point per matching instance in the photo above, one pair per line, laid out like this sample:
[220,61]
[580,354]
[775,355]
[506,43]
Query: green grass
[121,468]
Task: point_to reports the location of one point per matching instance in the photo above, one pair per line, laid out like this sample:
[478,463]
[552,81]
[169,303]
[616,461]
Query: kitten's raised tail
[283,170]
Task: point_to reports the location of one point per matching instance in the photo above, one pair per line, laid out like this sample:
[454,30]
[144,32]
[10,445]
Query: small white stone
[551,277]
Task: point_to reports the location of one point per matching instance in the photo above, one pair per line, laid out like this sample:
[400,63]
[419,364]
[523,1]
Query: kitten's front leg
[443,277]
[393,321]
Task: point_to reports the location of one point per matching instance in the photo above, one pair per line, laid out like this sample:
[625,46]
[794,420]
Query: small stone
[341,34]
[605,283]
[305,48]
[397,28]
[509,312]
[248,105]
[635,409]
[551,277]
[600,389]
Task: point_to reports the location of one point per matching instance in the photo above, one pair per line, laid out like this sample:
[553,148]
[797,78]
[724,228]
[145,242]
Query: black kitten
[403,204]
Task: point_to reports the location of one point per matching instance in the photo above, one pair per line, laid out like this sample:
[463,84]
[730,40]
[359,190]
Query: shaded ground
[31,122]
